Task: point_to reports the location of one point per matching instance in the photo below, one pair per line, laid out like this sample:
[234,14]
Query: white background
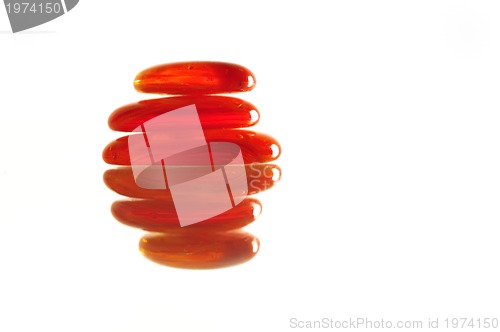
[388,113]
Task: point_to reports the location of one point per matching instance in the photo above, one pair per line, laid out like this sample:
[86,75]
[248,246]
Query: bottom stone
[199,250]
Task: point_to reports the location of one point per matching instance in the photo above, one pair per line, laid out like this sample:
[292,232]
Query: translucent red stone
[214,112]
[217,241]
[196,77]
[160,216]
[199,250]
[121,180]
[255,147]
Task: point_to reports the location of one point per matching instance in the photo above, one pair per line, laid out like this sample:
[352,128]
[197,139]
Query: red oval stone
[213,111]
[161,216]
[196,77]
[199,250]
[255,147]
[121,180]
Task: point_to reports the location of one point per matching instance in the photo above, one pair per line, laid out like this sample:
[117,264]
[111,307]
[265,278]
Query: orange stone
[255,147]
[121,180]
[214,112]
[161,216]
[159,154]
[199,250]
[196,77]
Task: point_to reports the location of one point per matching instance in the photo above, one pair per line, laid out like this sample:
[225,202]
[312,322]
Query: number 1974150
[33,8]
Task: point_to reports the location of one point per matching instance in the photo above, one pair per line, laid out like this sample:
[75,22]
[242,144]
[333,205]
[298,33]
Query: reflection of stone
[259,177]
[161,216]
[200,250]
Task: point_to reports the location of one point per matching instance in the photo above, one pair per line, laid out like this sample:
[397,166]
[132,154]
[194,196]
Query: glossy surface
[256,147]
[214,112]
[195,77]
[121,180]
[185,172]
[200,250]
[160,216]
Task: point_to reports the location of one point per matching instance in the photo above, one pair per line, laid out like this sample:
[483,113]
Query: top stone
[198,77]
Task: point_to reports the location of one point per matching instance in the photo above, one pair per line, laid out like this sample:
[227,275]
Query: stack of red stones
[218,241]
